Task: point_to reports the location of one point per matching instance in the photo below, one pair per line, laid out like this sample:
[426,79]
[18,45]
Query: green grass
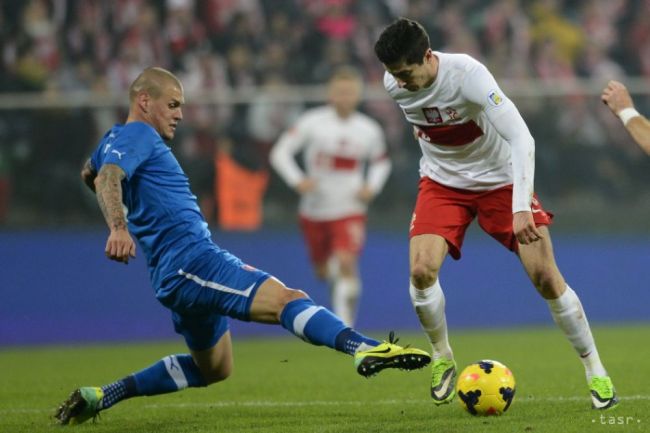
[284,385]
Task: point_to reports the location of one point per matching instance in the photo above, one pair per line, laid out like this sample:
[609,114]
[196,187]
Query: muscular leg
[296,312]
[170,374]
[273,303]
[270,300]
[539,262]
[427,253]
[565,306]
[215,363]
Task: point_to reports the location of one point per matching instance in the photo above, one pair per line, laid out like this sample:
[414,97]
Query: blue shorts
[205,291]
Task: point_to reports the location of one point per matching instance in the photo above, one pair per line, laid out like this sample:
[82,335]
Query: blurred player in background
[337,143]
[478,160]
[198,281]
[618,99]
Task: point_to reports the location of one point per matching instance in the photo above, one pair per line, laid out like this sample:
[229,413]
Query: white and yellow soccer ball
[486,388]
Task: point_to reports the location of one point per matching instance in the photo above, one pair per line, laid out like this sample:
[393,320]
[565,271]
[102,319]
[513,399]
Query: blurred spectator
[241,67]
[505,39]
[225,48]
[267,118]
[184,31]
[638,46]
[551,29]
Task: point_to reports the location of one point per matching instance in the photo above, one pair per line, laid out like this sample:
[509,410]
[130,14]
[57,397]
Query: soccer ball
[486,388]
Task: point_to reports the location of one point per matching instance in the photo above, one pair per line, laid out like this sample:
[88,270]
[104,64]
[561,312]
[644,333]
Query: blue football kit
[190,274]
[201,283]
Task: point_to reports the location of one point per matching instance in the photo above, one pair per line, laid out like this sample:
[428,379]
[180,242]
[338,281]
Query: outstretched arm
[108,187]
[618,99]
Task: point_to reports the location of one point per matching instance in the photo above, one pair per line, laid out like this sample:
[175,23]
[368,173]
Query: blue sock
[172,373]
[118,391]
[318,326]
[349,340]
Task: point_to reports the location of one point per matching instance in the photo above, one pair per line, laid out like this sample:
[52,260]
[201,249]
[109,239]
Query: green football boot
[443,381]
[389,355]
[603,394]
[83,404]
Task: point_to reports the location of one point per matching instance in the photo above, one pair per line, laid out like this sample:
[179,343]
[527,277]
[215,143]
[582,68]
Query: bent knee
[218,374]
[288,295]
[347,264]
[549,284]
[292,294]
[423,276]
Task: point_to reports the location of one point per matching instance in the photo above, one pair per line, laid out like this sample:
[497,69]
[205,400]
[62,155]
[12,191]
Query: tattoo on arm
[109,195]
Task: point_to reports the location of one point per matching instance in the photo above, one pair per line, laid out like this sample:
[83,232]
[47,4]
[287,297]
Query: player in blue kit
[143,192]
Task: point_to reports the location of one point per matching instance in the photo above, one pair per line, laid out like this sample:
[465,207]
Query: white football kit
[335,152]
[471,135]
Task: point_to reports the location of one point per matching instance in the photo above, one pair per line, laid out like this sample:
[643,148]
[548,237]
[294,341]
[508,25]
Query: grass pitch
[284,385]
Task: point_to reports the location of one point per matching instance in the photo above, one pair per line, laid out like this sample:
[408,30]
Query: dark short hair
[402,41]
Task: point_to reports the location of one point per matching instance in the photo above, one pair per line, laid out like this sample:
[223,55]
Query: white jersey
[471,135]
[335,154]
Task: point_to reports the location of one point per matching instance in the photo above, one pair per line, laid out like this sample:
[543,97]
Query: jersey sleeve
[97,157]
[283,153]
[481,88]
[130,148]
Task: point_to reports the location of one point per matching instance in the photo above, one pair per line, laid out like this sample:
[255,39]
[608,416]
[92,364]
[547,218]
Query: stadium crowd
[215,46]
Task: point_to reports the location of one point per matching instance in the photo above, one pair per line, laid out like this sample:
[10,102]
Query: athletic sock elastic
[318,326]
[429,305]
[172,373]
[569,315]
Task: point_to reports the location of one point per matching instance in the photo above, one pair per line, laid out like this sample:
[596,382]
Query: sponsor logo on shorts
[249,268]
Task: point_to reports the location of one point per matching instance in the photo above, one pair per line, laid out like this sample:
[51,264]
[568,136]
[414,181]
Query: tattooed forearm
[108,185]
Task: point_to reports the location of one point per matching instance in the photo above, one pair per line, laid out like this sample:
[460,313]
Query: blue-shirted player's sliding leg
[273,303]
[320,327]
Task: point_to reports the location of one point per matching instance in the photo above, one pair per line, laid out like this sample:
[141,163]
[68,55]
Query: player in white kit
[345,166]
[478,160]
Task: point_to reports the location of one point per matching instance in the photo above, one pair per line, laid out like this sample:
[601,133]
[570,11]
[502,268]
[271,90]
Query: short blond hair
[346,73]
[151,81]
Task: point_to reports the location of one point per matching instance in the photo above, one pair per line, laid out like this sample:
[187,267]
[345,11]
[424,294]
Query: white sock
[430,307]
[332,270]
[569,315]
[345,297]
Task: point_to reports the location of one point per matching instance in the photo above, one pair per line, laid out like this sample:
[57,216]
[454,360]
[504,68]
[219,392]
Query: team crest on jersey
[494,98]
[452,113]
[432,114]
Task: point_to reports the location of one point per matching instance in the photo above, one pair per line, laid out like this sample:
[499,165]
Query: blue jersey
[162,212]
